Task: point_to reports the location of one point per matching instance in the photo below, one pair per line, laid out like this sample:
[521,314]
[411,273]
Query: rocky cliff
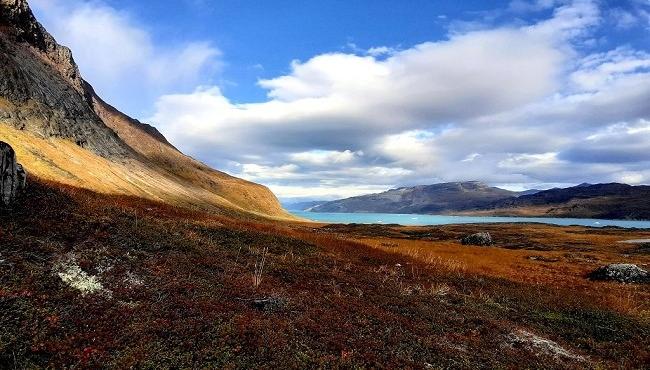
[65,132]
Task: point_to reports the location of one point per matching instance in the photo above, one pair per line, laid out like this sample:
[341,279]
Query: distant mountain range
[437,198]
[611,201]
[302,206]
[607,201]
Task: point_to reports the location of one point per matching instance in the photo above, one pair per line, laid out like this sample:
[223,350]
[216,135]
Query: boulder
[621,272]
[12,175]
[477,239]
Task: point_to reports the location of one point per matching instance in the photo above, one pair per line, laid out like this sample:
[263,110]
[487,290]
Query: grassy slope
[166,159]
[180,286]
[63,161]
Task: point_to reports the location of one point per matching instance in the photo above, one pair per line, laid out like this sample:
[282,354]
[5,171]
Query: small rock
[270,304]
[477,239]
[541,346]
[621,272]
[543,258]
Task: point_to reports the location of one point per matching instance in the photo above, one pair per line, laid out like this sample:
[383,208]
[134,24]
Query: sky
[336,98]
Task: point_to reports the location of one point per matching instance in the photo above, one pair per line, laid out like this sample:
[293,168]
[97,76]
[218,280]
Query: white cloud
[600,69]
[119,56]
[252,171]
[379,51]
[509,105]
[634,178]
[325,157]
[523,161]
[325,192]
[505,105]
[471,157]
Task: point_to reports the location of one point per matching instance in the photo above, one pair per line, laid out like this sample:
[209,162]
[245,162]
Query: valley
[120,251]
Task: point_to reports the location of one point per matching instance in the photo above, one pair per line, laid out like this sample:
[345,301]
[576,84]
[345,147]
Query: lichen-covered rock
[12,175]
[477,239]
[621,272]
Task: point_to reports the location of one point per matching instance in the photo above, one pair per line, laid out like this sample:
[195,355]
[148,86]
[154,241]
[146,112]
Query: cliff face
[65,132]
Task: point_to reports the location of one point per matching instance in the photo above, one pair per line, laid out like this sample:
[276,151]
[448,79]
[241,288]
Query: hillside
[437,198]
[62,131]
[607,201]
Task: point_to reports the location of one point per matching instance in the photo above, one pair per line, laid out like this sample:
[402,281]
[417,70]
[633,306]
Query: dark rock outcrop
[12,175]
[621,272]
[477,239]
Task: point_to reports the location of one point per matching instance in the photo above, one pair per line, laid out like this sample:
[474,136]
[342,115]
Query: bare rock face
[477,239]
[621,272]
[12,175]
[41,89]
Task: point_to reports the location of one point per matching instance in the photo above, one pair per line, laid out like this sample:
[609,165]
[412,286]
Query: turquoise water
[412,219]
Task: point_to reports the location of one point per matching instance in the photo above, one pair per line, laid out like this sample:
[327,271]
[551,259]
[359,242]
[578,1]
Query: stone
[8,184]
[270,304]
[621,272]
[12,175]
[21,177]
[477,239]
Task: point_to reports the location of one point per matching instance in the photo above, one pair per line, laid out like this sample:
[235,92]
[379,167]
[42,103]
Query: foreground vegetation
[93,280]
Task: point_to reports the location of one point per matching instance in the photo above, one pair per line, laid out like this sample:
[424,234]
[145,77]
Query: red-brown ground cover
[177,291]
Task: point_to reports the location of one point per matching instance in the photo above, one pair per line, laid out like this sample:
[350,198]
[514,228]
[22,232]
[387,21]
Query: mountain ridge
[608,201]
[442,197]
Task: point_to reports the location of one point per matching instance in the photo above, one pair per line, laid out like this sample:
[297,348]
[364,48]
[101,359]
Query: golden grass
[574,252]
[65,162]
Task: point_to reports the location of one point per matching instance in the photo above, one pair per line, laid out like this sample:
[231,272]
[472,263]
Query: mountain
[528,192]
[303,206]
[608,201]
[437,198]
[63,131]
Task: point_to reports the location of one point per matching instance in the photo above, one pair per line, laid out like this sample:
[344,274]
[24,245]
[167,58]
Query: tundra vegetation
[92,280]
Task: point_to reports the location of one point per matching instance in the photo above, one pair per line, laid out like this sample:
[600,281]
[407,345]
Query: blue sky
[336,98]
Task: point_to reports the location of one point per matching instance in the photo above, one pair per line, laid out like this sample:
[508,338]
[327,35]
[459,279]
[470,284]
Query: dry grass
[197,186]
[559,257]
